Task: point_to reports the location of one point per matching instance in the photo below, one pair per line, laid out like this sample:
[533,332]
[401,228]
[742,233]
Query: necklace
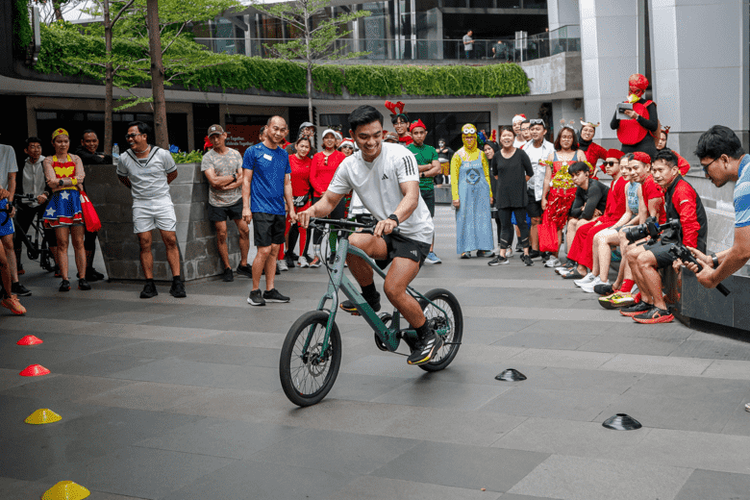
[141,152]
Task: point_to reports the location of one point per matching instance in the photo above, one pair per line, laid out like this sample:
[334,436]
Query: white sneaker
[281,265]
[553,262]
[508,252]
[302,262]
[585,280]
[589,287]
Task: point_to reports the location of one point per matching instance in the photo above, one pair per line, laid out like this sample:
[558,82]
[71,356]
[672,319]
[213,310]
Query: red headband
[666,130]
[416,124]
[615,153]
[395,108]
[642,157]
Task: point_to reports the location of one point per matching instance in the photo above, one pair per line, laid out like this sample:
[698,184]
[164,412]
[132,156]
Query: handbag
[90,217]
[301,201]
[548,241]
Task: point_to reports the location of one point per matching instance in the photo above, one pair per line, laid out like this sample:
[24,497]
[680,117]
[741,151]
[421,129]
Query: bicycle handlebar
[347,224]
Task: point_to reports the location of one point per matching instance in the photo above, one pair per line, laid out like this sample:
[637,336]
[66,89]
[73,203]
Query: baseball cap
[215,129]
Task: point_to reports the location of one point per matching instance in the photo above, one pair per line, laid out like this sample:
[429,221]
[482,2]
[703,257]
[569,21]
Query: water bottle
[115,152]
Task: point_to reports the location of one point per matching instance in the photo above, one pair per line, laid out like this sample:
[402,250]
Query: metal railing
[564,39]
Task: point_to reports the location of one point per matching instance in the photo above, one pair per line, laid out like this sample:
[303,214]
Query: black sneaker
[228,275]
[604,289]
[178,289]
[245,270]
[83,285]
[425,349]
[484,253]
[498,261]
[18,289]
[374,303]
[534,254]
[93,275]
[256,298]
[526,259]
[65,286]
[149,290]
[274,296]
[519,248]
[636,309]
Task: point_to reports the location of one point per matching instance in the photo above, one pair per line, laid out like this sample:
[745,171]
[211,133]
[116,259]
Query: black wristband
[394,218]
[715,260]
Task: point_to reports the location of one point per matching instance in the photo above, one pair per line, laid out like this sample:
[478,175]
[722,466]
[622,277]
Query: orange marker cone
[30,340]
[66,490]
[34,371]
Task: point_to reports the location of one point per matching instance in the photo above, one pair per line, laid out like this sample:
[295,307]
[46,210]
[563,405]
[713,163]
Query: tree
[314,43]
[55,10]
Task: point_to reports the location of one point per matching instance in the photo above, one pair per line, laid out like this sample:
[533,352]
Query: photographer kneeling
[682,204]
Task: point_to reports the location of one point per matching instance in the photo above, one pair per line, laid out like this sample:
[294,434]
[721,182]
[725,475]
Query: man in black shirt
[87,150]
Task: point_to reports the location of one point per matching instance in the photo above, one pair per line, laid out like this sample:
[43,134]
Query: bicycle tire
[455,325]
[305,380]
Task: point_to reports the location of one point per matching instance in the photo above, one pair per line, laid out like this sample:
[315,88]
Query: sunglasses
[611,163]
[536,121]
[130,136]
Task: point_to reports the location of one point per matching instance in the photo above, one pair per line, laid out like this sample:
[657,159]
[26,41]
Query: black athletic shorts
[534,208]
[221,214]
[400,246]
[428,195]
[660,250]
[268,229]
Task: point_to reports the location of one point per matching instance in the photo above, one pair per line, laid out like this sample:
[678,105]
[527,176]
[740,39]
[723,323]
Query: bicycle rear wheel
[308,373]
[452,323]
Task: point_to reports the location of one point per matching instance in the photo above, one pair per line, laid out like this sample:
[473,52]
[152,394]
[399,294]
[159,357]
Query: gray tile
[431,392]
[79,344]
[547,340]
[65,387]
[147,396]
[594,479]
[381,488]
[18,359]
[715,485]
[233,355]
[629,345]
[145,472]
[263,481]
[548,403]
[714,350]
[462,466]
[222,438]
[97,365]
[154,349]
[569,379]
[364,387]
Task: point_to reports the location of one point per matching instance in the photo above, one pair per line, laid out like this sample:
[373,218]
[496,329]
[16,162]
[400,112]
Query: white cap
[328,131]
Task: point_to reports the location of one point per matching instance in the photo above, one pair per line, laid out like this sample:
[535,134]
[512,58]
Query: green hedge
[22,33]
[63,43]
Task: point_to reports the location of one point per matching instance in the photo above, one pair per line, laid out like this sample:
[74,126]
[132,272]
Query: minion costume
[470,184]
[64,207]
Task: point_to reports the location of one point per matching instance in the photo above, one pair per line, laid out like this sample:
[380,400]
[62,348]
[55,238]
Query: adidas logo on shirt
[384,177]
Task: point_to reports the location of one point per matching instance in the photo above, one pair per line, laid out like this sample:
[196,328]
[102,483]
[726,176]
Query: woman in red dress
[324,165]
[559,191]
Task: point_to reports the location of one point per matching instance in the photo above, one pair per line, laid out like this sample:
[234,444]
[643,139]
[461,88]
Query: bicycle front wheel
[307,369]
[450,324]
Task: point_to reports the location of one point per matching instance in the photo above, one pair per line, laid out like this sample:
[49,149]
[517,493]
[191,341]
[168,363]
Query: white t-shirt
[8,164]
[536,155]
[378,185]
[148,176]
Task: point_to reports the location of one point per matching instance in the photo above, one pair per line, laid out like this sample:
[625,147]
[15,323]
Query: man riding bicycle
[386,179]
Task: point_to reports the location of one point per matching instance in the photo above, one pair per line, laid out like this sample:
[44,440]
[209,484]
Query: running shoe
[747,407]
[290,263]
[256,298]
[12,303]
[484,253]
[18,289]
[573,274]
[526,259]
[228,275]
[635,309]
[585,280]
[149,290]
[281,265]
[466,255]
[565,267]
[177,290]
[553,262]
[374,303]
[654,315]
[245,270]
[83,285]
[273,295]
[622,300]
[508,252]
[604,289]
[302,262]
[498,261]
[93,275]
[432,258]
[589,288]
[64,286]
[534,254]
[425,349]
[315,262]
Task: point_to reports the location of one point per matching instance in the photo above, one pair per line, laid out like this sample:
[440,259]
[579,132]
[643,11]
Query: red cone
[34,371]
[30,340]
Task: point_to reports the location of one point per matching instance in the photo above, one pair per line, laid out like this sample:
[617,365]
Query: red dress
[561,195]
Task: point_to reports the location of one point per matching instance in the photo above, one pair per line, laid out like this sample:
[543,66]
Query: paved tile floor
[180,399]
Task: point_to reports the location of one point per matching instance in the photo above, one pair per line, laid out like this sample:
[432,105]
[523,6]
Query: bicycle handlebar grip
[724,290]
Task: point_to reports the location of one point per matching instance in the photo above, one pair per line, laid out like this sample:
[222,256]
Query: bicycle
[311,354]
[37,245]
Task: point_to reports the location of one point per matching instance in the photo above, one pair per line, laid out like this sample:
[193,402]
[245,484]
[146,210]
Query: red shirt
[616,202]
[684,202]
[593,153]
[651,190]
[300,175]
[321,171]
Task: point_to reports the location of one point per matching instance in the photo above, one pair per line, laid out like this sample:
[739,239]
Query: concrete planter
[196,236]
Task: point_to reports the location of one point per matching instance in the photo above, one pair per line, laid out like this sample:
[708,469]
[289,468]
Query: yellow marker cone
[66,490]
[43,416]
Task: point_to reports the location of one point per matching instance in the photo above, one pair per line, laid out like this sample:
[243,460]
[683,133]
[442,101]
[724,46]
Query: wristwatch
[234,176]
[715,260]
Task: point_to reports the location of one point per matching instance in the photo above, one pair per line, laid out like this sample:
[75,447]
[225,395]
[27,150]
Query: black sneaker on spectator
[374,302]
[484,253]
[149,290]
[519,248]
[425,349]
[604,289]
[93,275]
[572,275]
[499,261]
[534,254]
[83,285]
[228,275]
[256,298]
[65,286]
[18,289]
[177,289]
[636,309]
[526,259]
[274,296]
[245,270]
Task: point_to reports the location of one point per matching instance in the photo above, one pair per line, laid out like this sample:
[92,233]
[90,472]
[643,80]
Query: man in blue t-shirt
[266,188]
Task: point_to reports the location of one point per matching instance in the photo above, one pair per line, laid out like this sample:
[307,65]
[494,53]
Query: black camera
[650,228]
[685,255]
